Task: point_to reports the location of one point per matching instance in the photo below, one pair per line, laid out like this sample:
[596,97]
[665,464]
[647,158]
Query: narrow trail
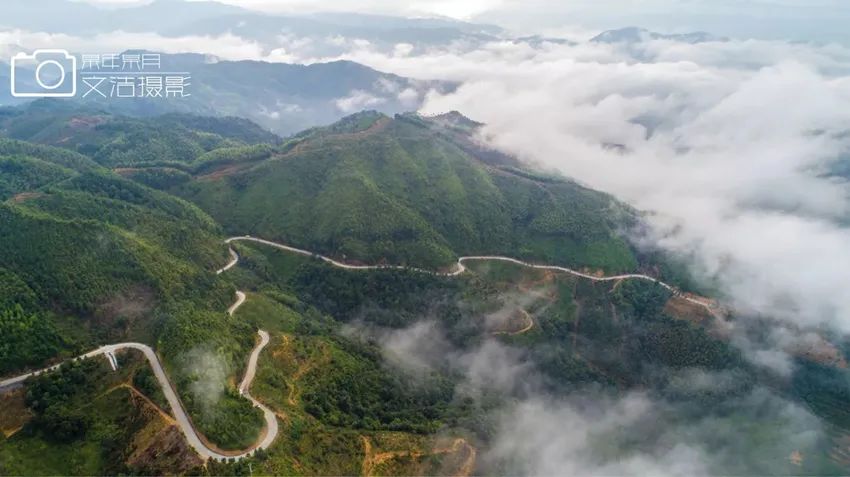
[530,324]
[460,268]
[240,299]
[182,419]
[373,459]
[234,259]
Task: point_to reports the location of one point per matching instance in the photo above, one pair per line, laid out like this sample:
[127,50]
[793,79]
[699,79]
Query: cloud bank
[731,148]
[592,432]
[728,145]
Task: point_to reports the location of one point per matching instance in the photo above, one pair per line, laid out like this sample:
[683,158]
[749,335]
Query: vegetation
[354,391]
[93,255]
[131,263]
[642,299]
[51,397]
[116,141]
[27,339]
[383,190]
[20,174]
[203,350]
[825,390]
[86,421]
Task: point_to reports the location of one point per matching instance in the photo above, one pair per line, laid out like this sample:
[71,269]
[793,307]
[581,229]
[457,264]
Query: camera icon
[44,74]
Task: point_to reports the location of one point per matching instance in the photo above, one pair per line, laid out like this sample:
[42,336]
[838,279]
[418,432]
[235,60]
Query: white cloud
[409,98]
[358,100]
[543,438]
[592,432]
[726,142]
[403,49]
[226,46]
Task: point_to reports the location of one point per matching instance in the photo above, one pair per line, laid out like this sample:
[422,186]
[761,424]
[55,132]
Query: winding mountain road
[339,264]
[271,425]
[460,268]
[240,299]
[269,415]
[183,421]
[234,259]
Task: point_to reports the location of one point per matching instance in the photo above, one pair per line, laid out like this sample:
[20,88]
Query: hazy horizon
[818,21]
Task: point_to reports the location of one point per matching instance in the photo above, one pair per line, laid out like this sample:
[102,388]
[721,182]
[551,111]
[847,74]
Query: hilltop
[411,190]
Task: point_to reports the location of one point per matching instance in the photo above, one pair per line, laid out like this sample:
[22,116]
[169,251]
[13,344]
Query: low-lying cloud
[730,148]
[728,145]
[207,372]
[737,428]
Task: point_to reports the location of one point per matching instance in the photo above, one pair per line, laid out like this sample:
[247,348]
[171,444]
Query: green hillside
[116,236]
[408,190]
[92,258]
[118,141]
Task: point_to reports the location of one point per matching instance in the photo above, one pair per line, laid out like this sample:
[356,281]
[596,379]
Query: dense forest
[111,229]
[377,189]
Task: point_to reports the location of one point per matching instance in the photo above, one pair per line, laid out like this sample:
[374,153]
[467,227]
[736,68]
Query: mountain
[637,35]
[92,258]
[116,235]
[284,98]
[331,34]
[6,97]
[5,93]
[411,190]
[319,34]
[125,141]
[89,19]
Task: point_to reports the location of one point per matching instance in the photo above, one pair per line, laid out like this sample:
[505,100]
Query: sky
[804,20]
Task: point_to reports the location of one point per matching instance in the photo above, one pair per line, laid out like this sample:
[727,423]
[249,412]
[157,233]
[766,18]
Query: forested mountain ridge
[405,190]
[282,97]
[117,236]
[91,257]
[116,141]
[79,236]
[410,190]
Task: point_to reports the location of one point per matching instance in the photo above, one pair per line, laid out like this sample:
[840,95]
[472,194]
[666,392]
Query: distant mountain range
[637,35]
[282,97]
[181,18]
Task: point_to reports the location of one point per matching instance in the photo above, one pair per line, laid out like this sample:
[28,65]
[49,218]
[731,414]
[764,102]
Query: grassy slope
[394,190]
